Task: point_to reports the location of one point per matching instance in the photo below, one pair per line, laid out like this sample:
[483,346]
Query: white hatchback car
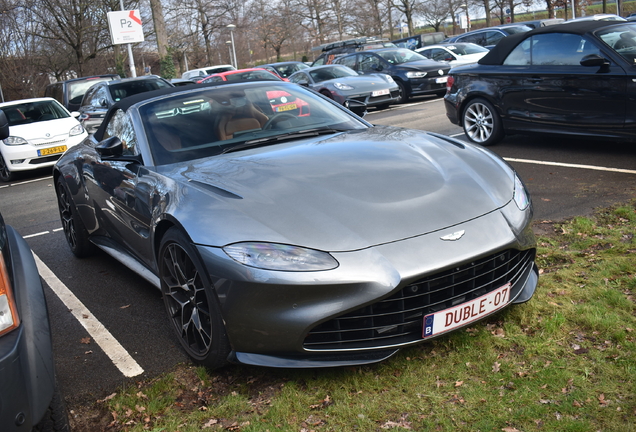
[40,130]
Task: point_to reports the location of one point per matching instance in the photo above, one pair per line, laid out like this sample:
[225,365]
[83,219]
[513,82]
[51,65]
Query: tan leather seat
[244,118]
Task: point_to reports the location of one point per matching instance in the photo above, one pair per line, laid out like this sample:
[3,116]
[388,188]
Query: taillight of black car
[449,83]
[8,311]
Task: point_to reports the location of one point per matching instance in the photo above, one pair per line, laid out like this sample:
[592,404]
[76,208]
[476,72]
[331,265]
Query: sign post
[125,28]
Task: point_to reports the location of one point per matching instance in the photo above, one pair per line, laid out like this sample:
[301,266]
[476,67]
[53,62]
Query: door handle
[535,80]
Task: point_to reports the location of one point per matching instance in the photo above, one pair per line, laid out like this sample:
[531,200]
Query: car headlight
[389,78]
[273,256]
[416,74]
[8,311]
[520,195]
[76,130]
[13,140]
[341,86]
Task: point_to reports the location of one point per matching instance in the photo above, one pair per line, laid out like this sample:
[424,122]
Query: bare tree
[435,12]
[408,8]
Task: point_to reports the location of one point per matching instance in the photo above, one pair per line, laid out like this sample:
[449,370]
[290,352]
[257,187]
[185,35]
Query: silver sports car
[284,230]
[341,83]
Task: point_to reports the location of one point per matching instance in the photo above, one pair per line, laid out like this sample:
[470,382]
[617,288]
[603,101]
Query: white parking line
[113,349]
[36,234]
[567,165]
[562,164]
[25,182]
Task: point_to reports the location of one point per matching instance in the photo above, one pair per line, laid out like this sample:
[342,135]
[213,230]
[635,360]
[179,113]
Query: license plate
[458,316]
[52,150]
[380,93]
[289,107]
[441,80]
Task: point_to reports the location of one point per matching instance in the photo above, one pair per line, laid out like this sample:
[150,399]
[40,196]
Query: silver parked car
[341,83]
[284,231]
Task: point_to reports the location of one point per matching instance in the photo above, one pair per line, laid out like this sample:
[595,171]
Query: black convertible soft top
[498,54]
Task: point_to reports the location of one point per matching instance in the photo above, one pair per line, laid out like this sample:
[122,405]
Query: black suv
[414,73]
[70,92]
[101,96]
[333,50]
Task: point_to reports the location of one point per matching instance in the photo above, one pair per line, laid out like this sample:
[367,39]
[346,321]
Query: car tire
[5,174]
[190,301]
[482,124]
[55,418]
[74,230]
[404,97]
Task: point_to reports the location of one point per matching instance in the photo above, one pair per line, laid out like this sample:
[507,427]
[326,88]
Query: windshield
[34,112]
[288,69]
[332,72]
[194,124]
[401,55]
[465,49]
[622,38]
[129,88]
[77,89]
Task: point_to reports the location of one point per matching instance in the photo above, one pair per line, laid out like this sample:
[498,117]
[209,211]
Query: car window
[493,36]
[621,39]
[440,55]
[77,89]
[560,49]
[329,73]
[478,38]
[100,95]
[121,126]
[128,88]
[368,62]
[34,112]
[349,61]
[252,75]
[299,77]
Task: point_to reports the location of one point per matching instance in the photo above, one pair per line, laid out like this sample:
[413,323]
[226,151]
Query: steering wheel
[277,118]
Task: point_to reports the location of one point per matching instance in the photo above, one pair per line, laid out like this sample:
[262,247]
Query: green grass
[565,361]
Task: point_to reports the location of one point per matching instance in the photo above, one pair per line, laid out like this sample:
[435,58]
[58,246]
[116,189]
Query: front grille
[45,159]
[48,143]
[398,319]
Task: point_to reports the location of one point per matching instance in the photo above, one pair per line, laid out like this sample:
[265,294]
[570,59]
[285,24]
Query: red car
[253,74]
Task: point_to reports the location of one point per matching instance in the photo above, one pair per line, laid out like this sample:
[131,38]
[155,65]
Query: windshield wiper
[283,137]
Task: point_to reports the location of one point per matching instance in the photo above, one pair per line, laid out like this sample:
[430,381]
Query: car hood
[345,192]
[45,131]
[362,82]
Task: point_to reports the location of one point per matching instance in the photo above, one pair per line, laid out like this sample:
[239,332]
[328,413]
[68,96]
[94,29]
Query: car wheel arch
[472,97]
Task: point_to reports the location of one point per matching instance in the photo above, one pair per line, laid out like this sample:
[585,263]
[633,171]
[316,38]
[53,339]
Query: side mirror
[75,114]
[103,102]
[594,60]
[304,83]
[110,147]
[357,107]
[4,125]
[377,67]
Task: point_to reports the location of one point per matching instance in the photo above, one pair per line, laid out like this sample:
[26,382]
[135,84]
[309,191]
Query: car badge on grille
[47,135]
[454,236]
[441,72]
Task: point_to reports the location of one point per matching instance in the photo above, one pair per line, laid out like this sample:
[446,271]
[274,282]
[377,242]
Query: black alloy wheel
[403,97]
[192,306]
[74,230]
[481,122]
